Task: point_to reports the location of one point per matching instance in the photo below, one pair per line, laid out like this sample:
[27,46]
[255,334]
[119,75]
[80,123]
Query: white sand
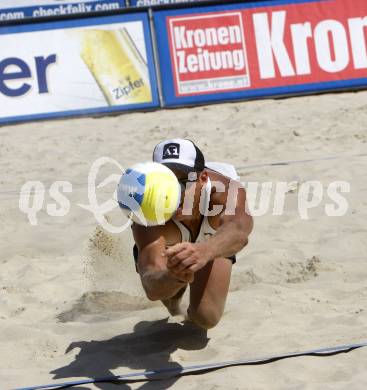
[71,304]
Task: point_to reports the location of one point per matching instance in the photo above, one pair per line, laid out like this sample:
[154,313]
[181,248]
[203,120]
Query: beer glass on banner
[116,65]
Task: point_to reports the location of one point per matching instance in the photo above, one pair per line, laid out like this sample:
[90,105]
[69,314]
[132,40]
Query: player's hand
[186,276]
[187,256]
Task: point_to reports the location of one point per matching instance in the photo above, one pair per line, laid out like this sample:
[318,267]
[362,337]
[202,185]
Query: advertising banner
[149,3]
[76,67]
[21,9]
[241,51]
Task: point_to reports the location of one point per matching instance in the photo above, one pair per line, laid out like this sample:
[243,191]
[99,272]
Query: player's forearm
[161,285]
[229,239]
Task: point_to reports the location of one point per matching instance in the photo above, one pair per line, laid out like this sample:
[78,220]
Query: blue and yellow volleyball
[149,193]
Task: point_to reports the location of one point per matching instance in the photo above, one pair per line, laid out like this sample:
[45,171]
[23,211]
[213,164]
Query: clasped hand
[186,258]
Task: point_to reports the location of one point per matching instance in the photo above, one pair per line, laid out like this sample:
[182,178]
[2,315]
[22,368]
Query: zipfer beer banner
[20,9]
[264,49]
[75,67]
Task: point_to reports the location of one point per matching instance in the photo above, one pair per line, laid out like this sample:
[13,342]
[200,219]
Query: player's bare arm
[157,280]
[233,229]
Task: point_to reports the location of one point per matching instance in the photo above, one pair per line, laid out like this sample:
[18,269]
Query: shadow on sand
[147,348]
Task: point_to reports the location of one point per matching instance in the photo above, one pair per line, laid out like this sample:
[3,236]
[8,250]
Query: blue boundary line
[201,368]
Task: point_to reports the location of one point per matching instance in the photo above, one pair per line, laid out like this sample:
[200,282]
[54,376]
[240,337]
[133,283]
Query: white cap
[181,154]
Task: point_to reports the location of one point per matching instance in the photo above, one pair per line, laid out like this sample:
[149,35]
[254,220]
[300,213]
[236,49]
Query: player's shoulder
[224,187]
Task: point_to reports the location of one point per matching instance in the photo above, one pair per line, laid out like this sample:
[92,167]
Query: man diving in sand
[198,245]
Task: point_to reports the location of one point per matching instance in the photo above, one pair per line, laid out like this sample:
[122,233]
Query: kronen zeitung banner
[244,50]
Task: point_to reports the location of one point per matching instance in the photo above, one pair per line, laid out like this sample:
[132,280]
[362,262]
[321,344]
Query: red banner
[268,46]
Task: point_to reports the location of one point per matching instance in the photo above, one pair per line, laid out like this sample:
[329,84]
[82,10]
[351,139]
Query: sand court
[71,303]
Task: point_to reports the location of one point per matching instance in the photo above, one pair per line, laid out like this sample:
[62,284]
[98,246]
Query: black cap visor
[180,167]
